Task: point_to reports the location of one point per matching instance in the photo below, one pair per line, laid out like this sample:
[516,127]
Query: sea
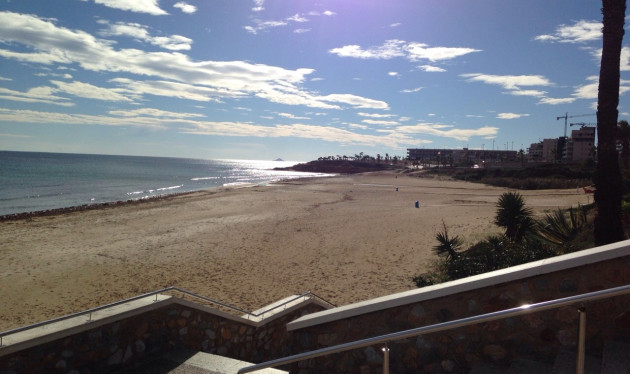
[34,181]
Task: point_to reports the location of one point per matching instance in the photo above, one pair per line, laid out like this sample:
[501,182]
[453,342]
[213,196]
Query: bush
[494,253]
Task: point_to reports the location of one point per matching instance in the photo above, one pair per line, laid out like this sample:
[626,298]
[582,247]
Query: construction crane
[567,116]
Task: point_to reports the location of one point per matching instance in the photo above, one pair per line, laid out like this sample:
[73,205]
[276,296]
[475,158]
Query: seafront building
[580,146]
[465,156]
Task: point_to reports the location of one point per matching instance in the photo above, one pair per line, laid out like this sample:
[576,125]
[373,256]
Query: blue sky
[296,79]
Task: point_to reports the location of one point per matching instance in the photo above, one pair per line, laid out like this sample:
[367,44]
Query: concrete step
[189,362]
[616,358]
[275,308]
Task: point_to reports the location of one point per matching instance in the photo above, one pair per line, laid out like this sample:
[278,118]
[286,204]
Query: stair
[189,362]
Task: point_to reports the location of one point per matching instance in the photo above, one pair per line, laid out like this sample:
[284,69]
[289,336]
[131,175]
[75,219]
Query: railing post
[385,360]
[579,366]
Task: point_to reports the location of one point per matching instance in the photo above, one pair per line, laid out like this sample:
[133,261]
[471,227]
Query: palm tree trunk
[608,227]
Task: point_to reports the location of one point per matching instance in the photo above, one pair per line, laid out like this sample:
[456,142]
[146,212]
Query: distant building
[463,156]
[581,145]
[535,152]
[550,150]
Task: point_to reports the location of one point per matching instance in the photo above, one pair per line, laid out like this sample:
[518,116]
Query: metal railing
[89,312]
[482,318]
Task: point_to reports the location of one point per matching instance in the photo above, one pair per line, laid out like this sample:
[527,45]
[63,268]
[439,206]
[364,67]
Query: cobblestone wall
[496,344]
[123,344]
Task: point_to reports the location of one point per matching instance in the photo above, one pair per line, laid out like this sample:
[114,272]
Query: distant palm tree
[608,225]
[447,246]
[513,216]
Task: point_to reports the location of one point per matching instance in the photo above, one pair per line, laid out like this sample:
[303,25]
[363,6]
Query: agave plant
[561,228]
[447,246]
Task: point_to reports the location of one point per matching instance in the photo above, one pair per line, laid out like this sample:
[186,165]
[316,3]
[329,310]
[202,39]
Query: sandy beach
[346,238]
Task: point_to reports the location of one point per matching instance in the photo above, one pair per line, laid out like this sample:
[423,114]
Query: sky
[296,79]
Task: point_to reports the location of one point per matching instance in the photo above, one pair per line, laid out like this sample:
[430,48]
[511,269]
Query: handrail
[156,293]
[481,318]
[251,314]
[77,314]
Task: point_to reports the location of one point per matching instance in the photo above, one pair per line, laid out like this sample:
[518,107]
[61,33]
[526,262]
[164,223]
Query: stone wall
[123,344]
[536,337]
[482,347]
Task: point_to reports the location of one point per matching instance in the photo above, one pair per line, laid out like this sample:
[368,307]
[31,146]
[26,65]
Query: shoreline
[347,238]
[118,203]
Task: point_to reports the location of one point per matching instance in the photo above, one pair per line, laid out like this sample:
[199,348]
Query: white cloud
[188,124]
[431,69]
[389,50]
[141,33]
[380,122]
[258,5]
[44,95]
[307,131]
[440,130]
[421,51]
[139,6]
[375,115]
[511,115]
[399,48]
[581,31]
[32,116]
[297,18]
[263,26]
[556,101]
[395,24]
[534,93]
[16,136]
[412,90]
[46,43]
[329,13]
[5,79]
[260,25]
[291,116]
[185,7]
[509,82]
[89,91]
[178,90]
[393,74]
[151,112]
[355,101]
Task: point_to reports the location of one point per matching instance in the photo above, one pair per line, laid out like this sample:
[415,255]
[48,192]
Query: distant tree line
[361,157]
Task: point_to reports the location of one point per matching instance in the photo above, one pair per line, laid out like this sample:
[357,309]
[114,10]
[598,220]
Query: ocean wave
[204,178]
[170,188]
